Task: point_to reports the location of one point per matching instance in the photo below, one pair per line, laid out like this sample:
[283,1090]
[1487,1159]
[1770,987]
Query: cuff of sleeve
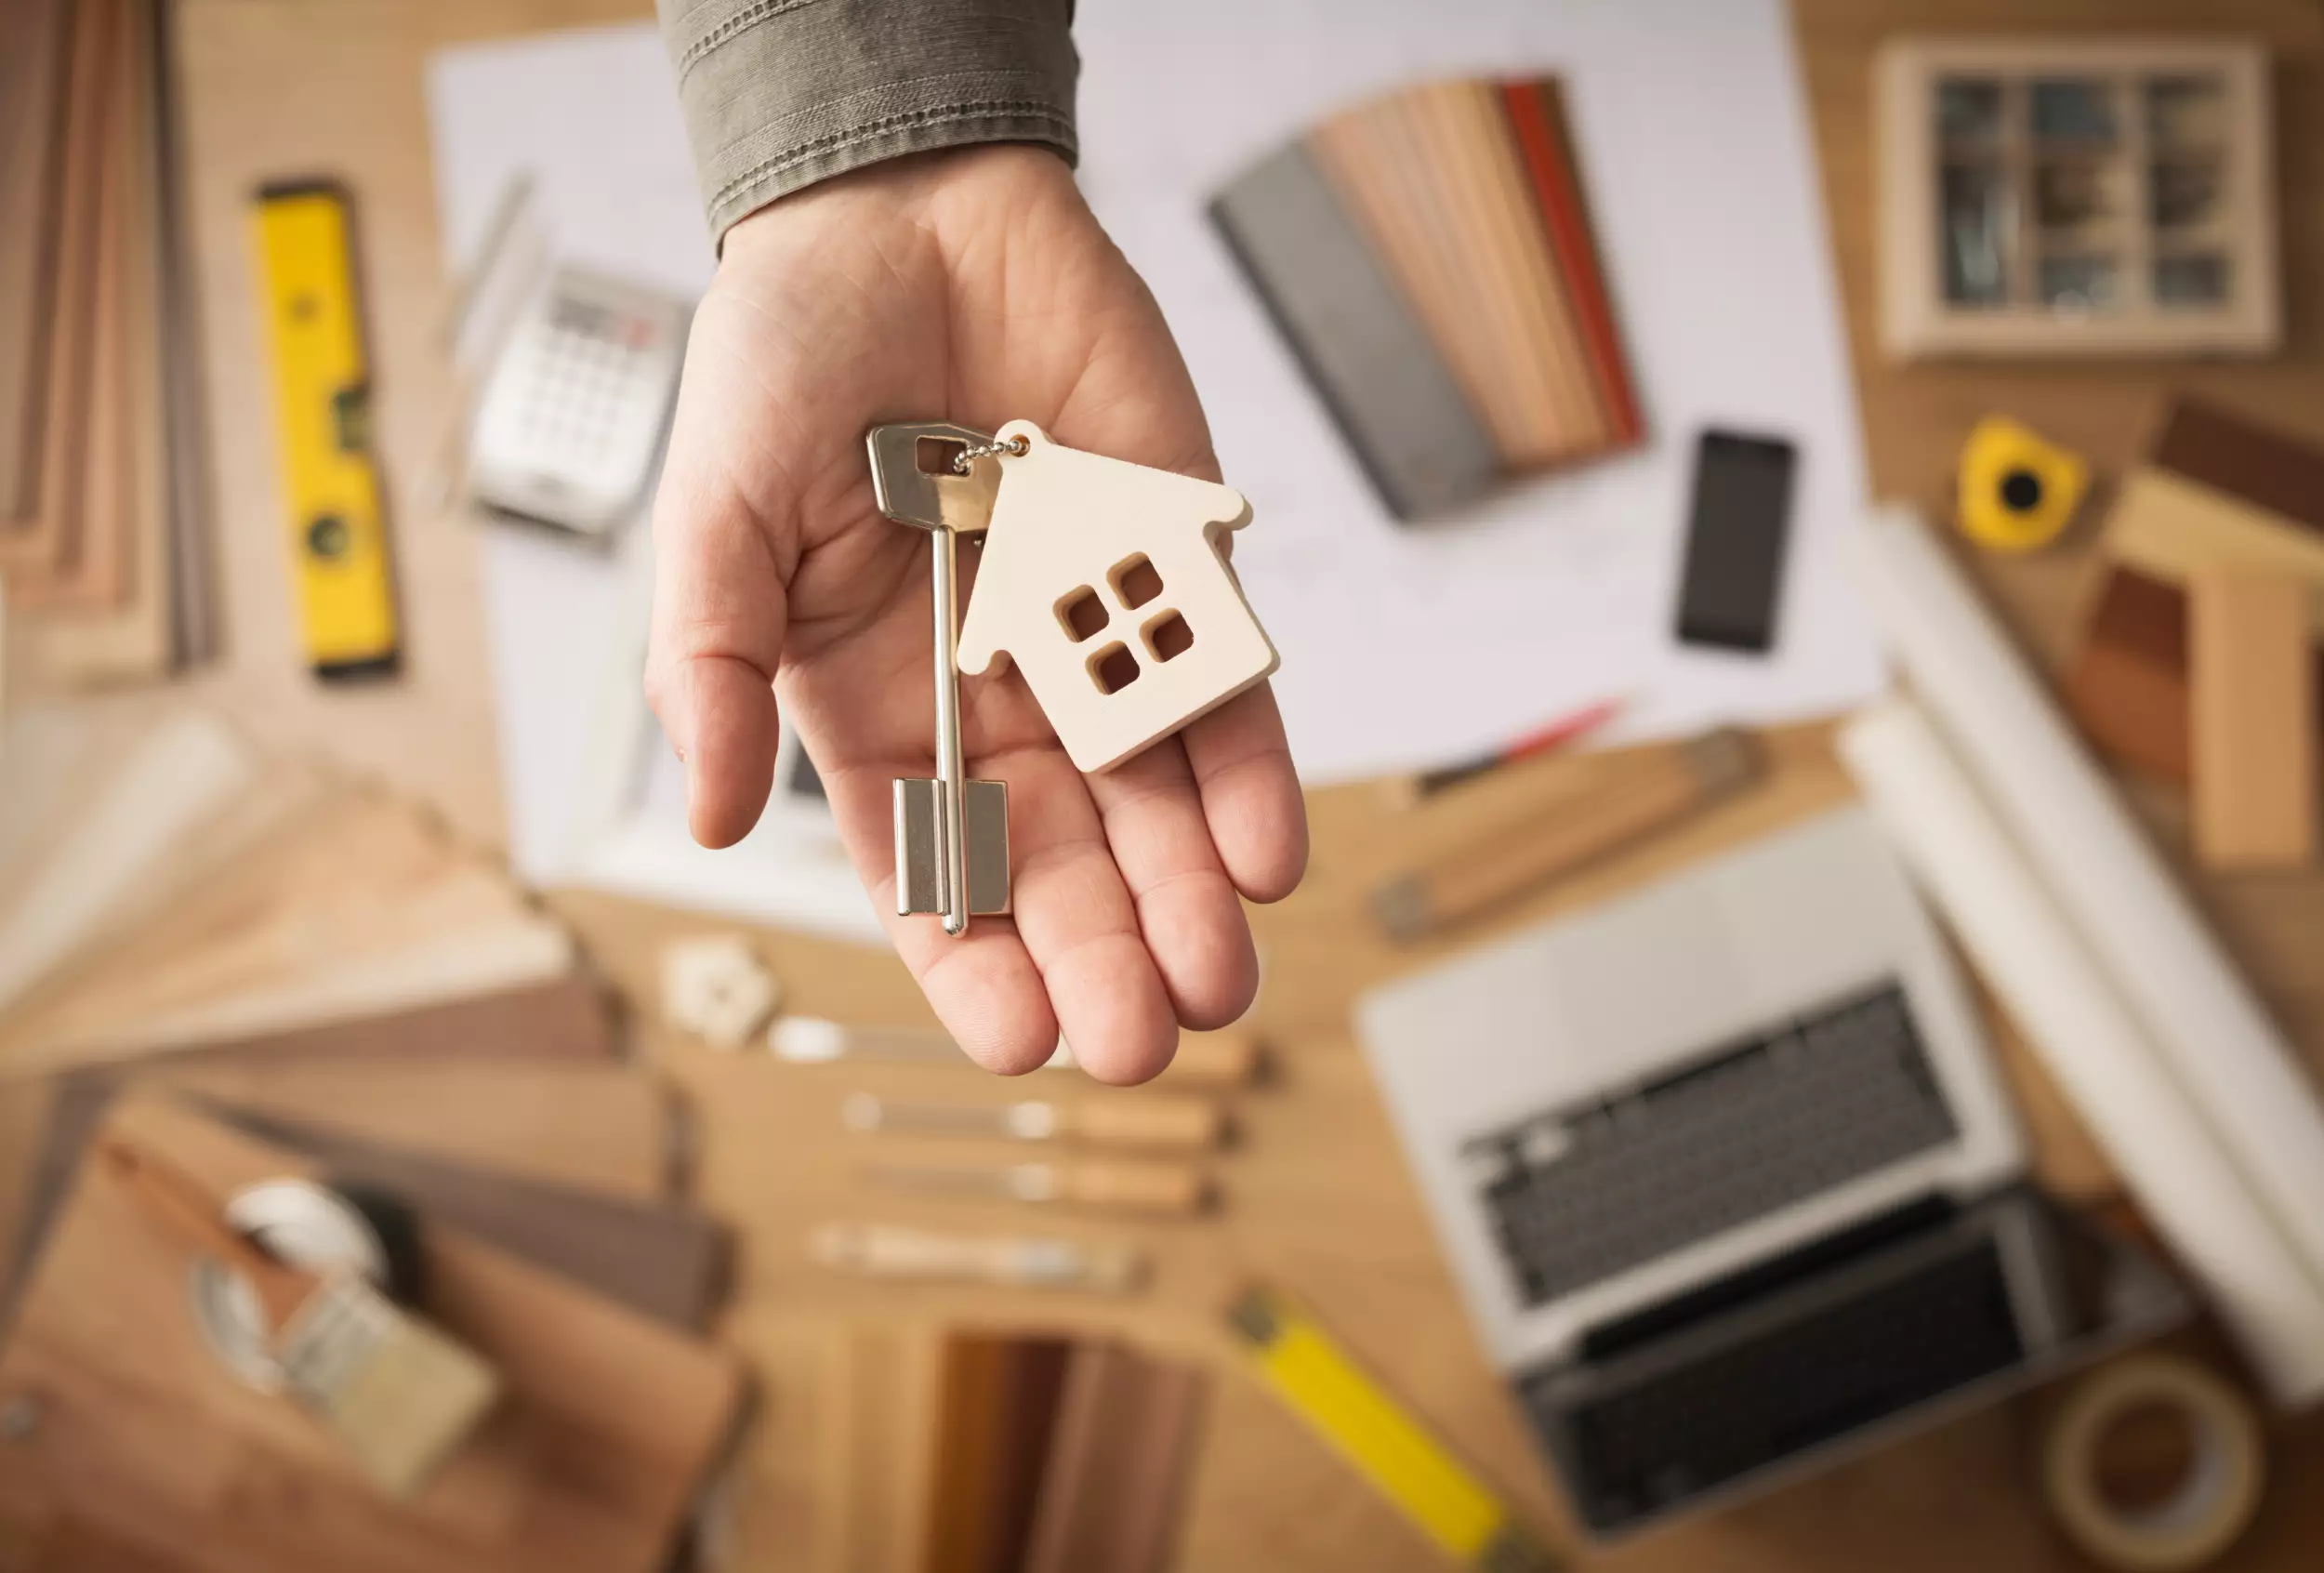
[780,94]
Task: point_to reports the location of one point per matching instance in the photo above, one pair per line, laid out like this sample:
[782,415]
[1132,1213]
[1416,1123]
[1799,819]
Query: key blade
[920,876]
[932,500]
[919,807]
[984,807]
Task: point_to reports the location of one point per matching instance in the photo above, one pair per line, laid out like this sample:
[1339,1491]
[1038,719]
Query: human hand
[974,287]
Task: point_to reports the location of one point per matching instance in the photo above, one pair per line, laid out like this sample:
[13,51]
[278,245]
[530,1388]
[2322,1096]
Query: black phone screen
[1732,577]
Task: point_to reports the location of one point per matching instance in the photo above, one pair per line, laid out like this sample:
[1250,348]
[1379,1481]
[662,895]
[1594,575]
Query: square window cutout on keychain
[1107,584]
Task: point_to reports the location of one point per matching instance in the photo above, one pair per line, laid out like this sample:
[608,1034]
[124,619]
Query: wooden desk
[1317,1197]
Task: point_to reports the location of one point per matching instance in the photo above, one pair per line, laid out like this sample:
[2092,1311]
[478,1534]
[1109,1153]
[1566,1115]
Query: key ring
[1014,447]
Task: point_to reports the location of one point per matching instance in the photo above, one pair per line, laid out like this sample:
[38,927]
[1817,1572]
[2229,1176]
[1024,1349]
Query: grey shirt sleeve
[779,94]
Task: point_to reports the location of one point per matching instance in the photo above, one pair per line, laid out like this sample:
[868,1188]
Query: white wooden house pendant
[1105,582]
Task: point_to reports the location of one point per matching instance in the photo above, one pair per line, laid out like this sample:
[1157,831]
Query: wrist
[920,188]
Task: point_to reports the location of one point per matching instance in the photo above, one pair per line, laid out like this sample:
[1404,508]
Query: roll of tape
[2212,1504]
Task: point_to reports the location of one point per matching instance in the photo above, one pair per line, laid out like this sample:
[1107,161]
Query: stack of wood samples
[96,504]
[1429,257]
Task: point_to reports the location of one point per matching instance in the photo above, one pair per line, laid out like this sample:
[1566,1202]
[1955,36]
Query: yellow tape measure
[339,540]
[2017,491]
[1412,1469]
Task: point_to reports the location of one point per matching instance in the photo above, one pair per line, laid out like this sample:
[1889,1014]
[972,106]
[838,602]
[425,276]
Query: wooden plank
[121,594]
[2127,685]
[32,70]
[2170,527]
[2254,747]
[1110,1497]
[31,533]
[363,908]
[2265,468]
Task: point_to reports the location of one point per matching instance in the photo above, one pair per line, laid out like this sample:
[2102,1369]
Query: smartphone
[1732,578]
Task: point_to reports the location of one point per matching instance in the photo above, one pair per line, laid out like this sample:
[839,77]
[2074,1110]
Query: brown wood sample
[362,908]
[1126,1426]
[1551,332]
[102,607]
[610,1426]
[32,542]
[2170,526]
[2266,469]
[1537,113]
[661,1260]
[2255,740]
[996,1415]
[85,568]
[1376,170]
[32,70]
[1482,239]
[2126,683]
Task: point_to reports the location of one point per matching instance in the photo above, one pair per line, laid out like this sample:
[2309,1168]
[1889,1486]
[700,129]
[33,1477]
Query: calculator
[569,424]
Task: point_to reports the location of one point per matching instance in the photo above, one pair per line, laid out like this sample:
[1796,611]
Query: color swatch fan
[1429,257]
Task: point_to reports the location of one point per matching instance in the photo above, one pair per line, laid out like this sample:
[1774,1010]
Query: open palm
[972,286]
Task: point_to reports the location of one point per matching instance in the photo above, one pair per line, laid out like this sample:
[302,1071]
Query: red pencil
[1557,734]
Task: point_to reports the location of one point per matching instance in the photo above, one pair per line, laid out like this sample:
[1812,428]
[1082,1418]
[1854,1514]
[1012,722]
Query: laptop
[1726,1173]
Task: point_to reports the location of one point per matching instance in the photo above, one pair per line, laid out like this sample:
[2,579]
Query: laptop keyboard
[1585,1192]
[1644,1436]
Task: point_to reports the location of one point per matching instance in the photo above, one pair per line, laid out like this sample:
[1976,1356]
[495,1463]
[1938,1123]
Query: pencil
[1408,791]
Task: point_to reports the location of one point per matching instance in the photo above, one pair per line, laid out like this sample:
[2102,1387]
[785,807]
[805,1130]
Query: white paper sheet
[1401,647]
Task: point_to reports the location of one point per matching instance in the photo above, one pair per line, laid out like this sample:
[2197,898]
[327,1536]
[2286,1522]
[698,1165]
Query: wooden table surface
[1317,1198]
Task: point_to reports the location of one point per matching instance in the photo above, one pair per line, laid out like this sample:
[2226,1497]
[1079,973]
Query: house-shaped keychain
[1105,583]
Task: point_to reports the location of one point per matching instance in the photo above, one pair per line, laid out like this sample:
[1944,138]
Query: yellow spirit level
[1440,1496]
[339,540]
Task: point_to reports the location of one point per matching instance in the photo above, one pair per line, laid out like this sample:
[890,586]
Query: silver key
[952,834]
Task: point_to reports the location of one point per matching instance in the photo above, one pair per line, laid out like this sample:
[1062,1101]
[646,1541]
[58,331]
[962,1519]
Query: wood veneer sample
[120,596]
[1364,348]
[1537,113]
[86,569]
[997,1412]
[2172,527]
[360,908]
[2127,685]
[1484,242]
[2231,455]
[33,71]
[1126,1426]
[1552,332]
[2255,745]
[1371,161]
[36,519]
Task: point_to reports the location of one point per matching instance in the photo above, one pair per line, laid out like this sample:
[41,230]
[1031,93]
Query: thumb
[720,614]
